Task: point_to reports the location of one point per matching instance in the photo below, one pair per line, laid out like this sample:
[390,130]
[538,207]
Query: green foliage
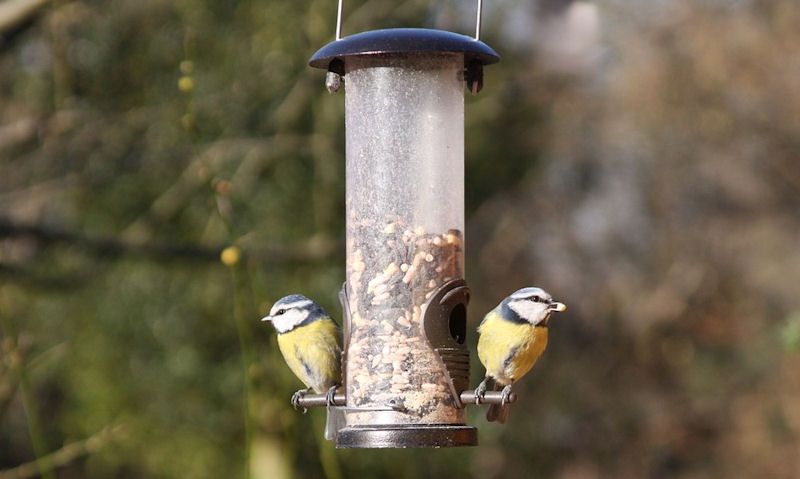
[790,334]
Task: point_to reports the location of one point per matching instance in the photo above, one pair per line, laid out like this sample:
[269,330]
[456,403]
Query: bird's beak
[266,318]
[556,306]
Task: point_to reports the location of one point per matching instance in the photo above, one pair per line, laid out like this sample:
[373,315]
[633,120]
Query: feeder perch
[406,364]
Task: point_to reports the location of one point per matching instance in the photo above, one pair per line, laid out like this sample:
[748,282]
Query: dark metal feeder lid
[404,41]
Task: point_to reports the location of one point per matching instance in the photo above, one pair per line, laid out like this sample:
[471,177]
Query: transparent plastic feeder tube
[405,223]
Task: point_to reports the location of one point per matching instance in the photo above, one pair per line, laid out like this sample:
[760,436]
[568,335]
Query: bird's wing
[511,356]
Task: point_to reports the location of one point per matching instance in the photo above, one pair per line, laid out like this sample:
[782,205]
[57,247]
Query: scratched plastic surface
[405,207]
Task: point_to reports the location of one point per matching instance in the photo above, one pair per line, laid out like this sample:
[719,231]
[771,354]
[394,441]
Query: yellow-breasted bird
[310,342]
[512,337]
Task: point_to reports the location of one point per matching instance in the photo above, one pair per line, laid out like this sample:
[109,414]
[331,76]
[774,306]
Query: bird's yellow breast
[312,352]
[507,349]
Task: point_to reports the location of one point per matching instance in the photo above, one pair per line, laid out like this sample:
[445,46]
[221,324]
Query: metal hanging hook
[477,20]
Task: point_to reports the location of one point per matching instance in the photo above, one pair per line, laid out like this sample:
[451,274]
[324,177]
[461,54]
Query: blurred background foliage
[640,160]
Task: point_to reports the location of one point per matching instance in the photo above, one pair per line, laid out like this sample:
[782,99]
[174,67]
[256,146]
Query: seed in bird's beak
[266,318]
[556,306]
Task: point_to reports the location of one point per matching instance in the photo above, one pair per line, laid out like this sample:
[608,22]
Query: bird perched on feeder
[512,337]
[310,342]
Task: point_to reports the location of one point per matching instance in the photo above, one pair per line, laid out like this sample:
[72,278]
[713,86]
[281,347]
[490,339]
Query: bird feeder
[406,364]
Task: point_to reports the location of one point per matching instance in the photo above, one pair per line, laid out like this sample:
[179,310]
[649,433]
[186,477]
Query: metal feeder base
[407,435]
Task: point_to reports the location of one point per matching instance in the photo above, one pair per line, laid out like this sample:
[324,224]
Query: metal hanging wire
[477,20]
[339,21]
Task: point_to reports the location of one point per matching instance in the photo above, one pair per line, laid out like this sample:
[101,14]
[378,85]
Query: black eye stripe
[539,299]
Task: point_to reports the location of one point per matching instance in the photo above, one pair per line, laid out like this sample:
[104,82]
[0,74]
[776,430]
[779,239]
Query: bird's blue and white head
[292,311]
[532,305]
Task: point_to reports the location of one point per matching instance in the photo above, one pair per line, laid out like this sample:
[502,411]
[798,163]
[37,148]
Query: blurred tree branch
[207,163]
[18,132]
[14,355]
[313,249]
[28,278]
[64,456]
[15,12]
[10,369]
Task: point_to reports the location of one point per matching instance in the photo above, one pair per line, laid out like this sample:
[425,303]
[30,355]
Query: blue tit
[512,337]
[310,342]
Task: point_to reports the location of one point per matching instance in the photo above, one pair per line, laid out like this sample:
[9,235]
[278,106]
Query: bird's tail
[496,412]
[335,421]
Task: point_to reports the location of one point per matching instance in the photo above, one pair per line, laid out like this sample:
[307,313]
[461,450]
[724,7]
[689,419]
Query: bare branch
[13,354]
[316,248]
[64,456]
[20,131]
[14,12]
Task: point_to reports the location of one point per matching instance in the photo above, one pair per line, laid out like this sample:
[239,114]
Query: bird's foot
[480,391]
[297,396]
[397,405]
[331,395]
[505,394]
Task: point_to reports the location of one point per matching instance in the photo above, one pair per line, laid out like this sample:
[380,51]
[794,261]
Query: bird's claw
[480,392]
[397,405]
[505,395]
[296,397]
[331,395]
